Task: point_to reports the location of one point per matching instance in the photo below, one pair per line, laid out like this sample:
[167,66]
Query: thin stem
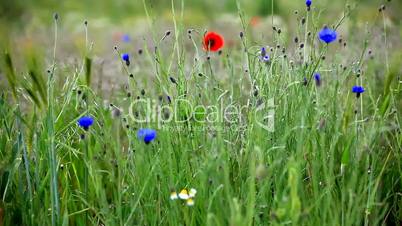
[272,12]
[51,135]
[244,42]
[317,64]
[55,44]
[305,38]
[86,175]
[26,163]
[385,41]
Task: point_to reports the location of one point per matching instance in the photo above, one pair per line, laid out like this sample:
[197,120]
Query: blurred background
[21,14]
[27,25]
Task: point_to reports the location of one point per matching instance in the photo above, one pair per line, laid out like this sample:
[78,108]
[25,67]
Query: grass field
[275,127]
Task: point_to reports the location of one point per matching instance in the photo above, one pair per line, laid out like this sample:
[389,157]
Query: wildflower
[327,35]
[192,193]
[184,194]
[85,122]
[255,21]
[173,195]
[213,41]
[358,90]
[308,3]
[147,135]
[265,59]
[125,38]
[190,202]
[264,56]
[317,78]
[126,57]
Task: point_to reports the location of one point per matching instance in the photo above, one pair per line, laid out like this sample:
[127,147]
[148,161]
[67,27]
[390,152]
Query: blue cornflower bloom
[126,58]
[317,78]
[147,135]
[85,122]
[358,90]
[265,59]
[308,3]
[264,56]
[327,35]
[125,38]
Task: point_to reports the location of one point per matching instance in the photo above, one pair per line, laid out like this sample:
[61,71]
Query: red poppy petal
[213,41]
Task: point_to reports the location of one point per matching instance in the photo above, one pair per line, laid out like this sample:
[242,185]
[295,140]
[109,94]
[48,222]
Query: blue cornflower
[317,78]
[264,56]
[308,3]
[327,35]
[126,58]
[358,90]
[85,122]
[126,38]
[147,135]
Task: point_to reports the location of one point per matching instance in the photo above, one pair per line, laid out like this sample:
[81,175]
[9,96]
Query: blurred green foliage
[20,11]
[10,10]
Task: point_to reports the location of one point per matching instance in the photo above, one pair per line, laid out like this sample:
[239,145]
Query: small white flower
[190,202]
[173,195]
[184,194]
[192,193]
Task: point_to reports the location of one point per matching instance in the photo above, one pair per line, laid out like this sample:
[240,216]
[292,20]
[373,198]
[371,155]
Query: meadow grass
[298,151]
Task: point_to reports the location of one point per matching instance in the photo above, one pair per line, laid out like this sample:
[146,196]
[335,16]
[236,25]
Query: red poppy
[213,41]
[255,21]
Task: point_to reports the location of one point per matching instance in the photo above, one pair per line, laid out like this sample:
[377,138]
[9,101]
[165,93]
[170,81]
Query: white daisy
[192,193]
[173,195]
[184,194]
[190,202]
